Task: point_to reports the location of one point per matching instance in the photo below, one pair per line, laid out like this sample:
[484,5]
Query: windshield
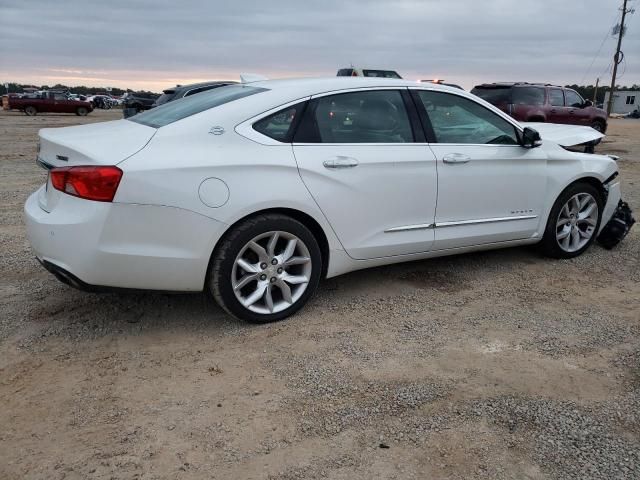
[494,95]
[187,106]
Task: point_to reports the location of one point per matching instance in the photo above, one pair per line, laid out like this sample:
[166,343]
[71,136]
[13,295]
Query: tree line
[80,90]
[587,91]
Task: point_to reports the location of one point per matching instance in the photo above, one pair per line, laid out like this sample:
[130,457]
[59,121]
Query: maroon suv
[531,102]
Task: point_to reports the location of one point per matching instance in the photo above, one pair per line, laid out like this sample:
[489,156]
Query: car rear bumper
[95,244]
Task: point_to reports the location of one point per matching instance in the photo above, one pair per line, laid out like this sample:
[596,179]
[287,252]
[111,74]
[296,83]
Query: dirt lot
[493,365]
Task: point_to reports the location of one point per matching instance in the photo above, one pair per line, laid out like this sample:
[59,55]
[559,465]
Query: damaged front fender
[566,135]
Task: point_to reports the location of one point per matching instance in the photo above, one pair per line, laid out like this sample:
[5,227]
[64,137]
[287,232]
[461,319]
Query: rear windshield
[380,73]
[165,97]
[493,95]
[187,106]
[528,95]
[345,72]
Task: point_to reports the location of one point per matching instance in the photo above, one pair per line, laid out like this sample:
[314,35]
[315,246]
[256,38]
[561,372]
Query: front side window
[278,125]
[528,95]
[457,119]
[185,107]
[377,116]
[556,98]
[572,99]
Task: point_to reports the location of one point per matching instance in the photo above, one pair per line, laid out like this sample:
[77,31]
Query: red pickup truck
[56,102]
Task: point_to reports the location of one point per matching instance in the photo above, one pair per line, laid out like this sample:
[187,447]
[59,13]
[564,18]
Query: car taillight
[92,183]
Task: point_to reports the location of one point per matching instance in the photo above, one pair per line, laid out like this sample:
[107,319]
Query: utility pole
[616,58]
[595,92]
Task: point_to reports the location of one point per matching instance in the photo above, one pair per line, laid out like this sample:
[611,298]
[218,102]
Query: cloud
[157,43]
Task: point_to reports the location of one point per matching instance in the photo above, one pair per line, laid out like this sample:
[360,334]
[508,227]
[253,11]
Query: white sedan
[254,192]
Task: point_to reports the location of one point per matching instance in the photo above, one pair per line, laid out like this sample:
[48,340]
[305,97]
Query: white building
[624,101]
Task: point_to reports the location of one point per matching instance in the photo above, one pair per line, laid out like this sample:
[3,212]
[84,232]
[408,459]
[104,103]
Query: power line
[606,36]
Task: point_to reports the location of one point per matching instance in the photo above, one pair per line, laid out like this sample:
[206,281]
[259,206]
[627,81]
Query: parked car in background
[438,81]
[254,192]
[181,91]
[533,102]
[367,72]
[137,102]
[47,101]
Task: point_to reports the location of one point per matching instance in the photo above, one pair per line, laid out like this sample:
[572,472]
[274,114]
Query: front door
[490,189]
[577,114]
[377,186]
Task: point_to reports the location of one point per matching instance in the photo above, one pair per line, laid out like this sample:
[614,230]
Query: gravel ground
[498,364]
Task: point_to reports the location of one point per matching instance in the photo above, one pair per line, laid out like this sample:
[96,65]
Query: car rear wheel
[82,111]
[574,221]
[31,111]
[265,269]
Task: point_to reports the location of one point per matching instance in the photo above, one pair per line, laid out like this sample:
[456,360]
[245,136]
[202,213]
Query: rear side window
[279,125]
[556,98]
[495,96]
[528,95]
[358,117]
[185,107]
[345,72]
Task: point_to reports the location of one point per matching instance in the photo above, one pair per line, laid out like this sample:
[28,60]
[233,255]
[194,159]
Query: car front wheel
[574,221]
[266,268]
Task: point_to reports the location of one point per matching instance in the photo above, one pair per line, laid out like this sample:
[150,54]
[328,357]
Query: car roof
[314,86]
[515,84]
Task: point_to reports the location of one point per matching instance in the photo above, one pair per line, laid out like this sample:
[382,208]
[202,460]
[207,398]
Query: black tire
[219,279]
[31,111]
[598,125]
[82,111]
[536,119]
[549,244]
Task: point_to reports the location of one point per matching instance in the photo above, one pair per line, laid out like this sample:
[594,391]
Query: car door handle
[456,158]
[340,162]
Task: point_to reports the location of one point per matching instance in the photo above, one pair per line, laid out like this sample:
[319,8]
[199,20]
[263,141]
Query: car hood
[565,135]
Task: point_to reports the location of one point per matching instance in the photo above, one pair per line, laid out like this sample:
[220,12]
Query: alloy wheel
[577,222]
[271,272]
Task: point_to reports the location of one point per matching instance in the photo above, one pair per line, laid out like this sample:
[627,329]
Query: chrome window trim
[484,220]
[405,228]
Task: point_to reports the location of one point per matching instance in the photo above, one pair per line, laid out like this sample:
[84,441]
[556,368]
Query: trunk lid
[105,143]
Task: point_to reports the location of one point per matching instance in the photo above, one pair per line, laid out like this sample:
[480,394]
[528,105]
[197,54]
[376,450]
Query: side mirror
[530,138]
[587,103]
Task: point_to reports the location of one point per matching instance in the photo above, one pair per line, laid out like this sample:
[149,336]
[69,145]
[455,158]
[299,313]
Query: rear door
[364,161]
[490,189]
[557,112]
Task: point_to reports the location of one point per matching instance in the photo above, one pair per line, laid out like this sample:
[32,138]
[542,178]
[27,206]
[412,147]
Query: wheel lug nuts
[274,261]
[263,266]
[273,279]
[280,270]
[263,277]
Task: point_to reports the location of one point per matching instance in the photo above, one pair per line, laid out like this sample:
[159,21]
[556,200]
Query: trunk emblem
[217,130]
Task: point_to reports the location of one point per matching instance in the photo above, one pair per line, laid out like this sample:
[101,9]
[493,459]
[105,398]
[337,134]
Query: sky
[154,44]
